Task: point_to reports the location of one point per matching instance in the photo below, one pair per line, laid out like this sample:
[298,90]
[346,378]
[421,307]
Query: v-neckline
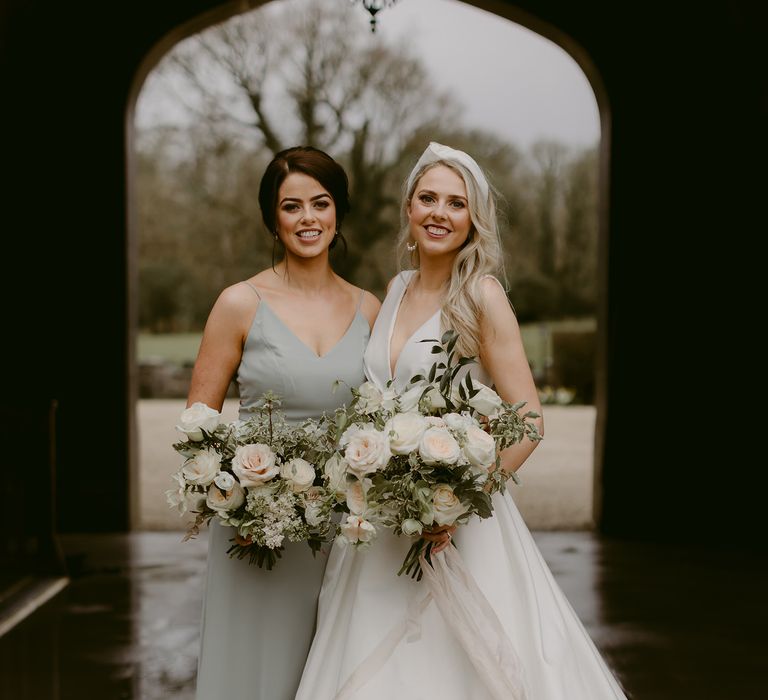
[263,302]
[393,372]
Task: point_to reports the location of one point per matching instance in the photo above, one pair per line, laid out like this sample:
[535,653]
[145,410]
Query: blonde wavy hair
[480,256]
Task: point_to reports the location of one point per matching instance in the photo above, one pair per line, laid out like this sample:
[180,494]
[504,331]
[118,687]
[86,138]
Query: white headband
[436,151]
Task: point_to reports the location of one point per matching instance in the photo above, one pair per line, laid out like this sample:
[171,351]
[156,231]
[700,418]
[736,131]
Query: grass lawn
[176,347]
[537,338]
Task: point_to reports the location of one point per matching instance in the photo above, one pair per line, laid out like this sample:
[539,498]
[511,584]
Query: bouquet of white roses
[425,457]
[256,476]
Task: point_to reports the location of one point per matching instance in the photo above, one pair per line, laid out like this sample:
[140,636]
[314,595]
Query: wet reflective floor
[673,622]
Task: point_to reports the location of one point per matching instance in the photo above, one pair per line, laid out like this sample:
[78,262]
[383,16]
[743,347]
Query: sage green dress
[257,625]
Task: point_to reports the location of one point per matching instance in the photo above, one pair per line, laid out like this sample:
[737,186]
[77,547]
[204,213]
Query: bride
[381,636]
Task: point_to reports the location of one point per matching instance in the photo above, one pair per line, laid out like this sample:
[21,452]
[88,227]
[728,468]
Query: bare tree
[310,73]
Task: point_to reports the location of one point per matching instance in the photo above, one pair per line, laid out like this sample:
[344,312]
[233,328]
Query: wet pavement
[675,623]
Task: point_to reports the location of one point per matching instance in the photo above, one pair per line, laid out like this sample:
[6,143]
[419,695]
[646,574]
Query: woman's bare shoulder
[498,313]
[238,297]
[234,308]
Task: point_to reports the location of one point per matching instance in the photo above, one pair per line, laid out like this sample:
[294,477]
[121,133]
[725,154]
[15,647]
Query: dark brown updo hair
[310,161]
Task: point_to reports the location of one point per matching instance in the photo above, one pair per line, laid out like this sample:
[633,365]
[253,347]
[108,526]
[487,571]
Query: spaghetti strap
[360,300]
[253,288]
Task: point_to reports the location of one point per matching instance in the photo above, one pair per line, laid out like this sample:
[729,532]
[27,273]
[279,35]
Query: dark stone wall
[687,104]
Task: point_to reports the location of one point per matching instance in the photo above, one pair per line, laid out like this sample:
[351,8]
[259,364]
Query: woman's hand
[243,541]
[440,536]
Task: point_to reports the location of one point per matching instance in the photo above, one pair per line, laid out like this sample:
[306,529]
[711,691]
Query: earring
[411,247]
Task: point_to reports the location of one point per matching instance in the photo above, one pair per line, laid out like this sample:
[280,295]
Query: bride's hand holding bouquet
[419,461]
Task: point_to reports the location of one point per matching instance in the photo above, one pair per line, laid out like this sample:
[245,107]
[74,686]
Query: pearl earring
[411,246]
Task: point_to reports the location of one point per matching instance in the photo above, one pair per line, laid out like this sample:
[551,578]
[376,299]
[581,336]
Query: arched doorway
[506,12]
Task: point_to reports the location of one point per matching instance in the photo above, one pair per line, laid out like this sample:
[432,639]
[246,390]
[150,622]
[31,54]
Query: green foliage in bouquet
[257,476]
[438,445]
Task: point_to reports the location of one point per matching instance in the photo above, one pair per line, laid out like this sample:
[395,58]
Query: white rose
[299,472]
[367,449]
[434,398]
[313,505]
[182,499]
[405,431]
[224,480]
[389,399]
[202,468]
[357,529]
[486,401]
[223,501]
[195,501]
[177,498]
[459,422]
[335,470]
[254,465]
[438,446]
[409,400]
[479,448]
[370,398]
[447,507]
[411,527]
[313,514]
[195,419]
[356,500]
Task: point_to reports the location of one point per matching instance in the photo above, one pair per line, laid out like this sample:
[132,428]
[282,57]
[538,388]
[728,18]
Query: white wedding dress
[381,636]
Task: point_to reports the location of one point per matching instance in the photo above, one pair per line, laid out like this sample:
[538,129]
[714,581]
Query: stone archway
[503,10]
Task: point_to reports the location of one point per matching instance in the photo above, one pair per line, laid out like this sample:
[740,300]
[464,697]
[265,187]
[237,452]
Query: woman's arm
[222,345]
[503,355]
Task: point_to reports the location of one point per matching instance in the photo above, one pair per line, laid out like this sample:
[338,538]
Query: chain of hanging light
[373,7]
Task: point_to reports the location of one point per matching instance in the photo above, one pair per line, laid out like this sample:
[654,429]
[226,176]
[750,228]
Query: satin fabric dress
[363,602]
[257,625]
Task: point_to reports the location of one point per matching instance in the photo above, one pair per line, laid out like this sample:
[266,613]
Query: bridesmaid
[294,328]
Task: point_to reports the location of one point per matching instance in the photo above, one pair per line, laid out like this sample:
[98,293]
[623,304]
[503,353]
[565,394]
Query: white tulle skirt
[489,623]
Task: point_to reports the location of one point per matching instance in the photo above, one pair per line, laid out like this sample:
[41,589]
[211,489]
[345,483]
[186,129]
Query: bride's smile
[438,212]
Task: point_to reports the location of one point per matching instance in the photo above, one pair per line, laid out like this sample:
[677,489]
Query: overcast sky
[510,80]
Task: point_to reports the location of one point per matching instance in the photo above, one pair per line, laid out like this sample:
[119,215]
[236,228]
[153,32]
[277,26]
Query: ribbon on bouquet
[475,624]
[472,620]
